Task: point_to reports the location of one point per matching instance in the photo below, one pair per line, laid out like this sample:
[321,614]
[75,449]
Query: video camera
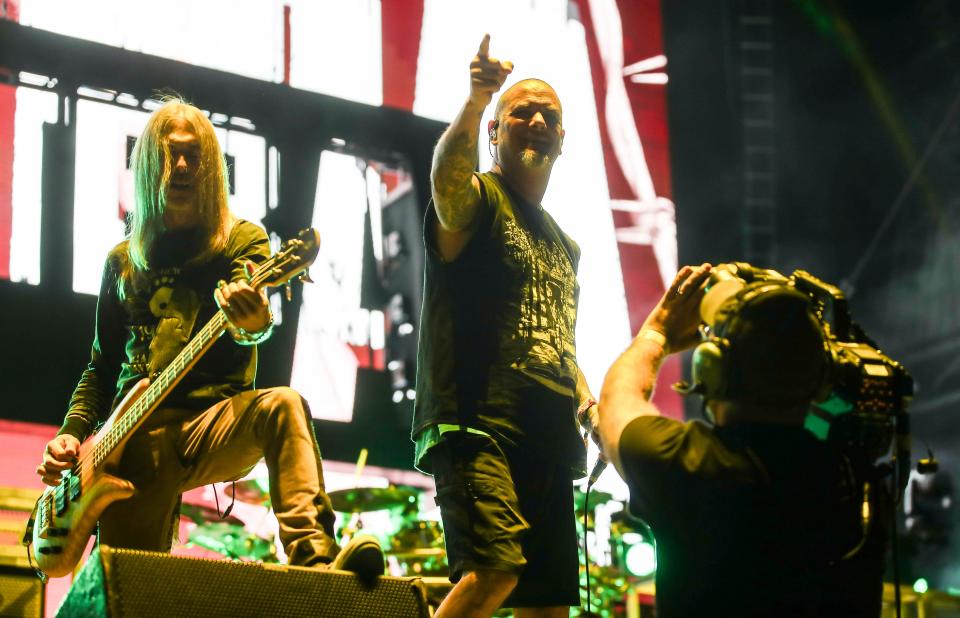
[865,396]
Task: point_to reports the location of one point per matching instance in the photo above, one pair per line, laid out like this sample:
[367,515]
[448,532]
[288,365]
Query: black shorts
[508,512]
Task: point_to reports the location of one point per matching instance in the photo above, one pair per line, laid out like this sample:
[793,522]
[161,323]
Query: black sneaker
[362,555]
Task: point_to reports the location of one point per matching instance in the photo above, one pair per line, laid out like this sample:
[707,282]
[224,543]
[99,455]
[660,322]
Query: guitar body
[57,555]
[68,513]
[65,515]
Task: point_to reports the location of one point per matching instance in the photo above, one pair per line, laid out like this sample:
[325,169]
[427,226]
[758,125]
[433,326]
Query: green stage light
[641,559]
[920,586]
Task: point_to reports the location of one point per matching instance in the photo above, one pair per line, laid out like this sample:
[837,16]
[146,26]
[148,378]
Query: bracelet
[244,337]
[654,336]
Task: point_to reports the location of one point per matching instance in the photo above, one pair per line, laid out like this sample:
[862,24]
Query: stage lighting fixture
[35,79]
[393,243]
[639,555]
[398,374]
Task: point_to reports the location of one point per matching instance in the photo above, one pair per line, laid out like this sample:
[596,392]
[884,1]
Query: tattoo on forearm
[583,389]
[454,161]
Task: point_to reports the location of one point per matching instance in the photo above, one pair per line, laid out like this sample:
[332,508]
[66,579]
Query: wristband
[243,337]
[582,417]
[654,336]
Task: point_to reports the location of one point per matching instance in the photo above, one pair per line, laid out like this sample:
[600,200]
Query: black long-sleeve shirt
[138,335]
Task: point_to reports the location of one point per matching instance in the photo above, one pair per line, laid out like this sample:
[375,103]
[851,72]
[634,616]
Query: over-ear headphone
[765,346]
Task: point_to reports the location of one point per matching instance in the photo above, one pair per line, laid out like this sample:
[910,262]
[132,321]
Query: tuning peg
[288,291]
[305,277]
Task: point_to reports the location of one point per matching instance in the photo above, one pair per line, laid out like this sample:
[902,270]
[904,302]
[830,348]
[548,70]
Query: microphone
[583,418]
[598,469]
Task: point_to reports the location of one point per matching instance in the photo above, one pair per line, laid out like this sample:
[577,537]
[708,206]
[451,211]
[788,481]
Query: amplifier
[21,592]
[123,582]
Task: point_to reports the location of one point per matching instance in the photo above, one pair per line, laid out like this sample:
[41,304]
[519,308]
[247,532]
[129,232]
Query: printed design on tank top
[547,310]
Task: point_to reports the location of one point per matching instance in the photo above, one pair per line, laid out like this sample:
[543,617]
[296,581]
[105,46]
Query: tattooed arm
[455,190]
[628,386]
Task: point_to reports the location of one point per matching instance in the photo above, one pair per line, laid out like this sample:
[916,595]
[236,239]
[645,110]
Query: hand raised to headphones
[677,315]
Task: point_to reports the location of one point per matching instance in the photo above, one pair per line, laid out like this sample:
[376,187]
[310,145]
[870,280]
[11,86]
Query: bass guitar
[65,515]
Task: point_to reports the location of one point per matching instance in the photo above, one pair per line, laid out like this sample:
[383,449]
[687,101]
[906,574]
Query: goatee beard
[533,159]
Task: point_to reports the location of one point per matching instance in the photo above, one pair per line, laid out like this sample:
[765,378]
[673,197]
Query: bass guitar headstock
[293,259]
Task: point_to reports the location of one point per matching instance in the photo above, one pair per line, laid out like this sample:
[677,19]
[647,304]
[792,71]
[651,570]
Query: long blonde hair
[152,165]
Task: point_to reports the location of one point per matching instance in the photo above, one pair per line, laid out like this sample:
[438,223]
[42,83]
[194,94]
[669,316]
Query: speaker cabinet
[21,592]
[122,582]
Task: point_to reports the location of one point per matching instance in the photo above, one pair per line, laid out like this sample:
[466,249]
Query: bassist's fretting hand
[61,454]
[243,306]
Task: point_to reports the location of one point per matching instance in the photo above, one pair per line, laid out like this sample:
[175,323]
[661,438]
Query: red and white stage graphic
[625,43]
[613,46]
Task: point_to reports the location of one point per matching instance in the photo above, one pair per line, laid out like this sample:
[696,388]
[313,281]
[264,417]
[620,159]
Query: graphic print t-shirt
[497,349]
[163,309]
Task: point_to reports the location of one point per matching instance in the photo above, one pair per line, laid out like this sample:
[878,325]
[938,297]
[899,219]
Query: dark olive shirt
[497,327]
[161,311]
[752,520]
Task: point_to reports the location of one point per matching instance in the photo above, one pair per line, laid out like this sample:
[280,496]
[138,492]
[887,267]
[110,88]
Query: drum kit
[412,546]
[607,576]
[224,534]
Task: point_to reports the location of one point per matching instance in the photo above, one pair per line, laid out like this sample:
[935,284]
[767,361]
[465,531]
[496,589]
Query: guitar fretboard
[159,388]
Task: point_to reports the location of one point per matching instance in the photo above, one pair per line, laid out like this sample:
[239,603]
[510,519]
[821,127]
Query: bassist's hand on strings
[244,306]
[59,455]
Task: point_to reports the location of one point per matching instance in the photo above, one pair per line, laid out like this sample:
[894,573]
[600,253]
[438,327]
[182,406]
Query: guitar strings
[218,323]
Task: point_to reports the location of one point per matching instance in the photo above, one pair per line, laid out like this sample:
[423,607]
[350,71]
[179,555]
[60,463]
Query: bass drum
[417,549]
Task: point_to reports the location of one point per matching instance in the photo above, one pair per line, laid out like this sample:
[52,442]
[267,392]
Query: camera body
[862,395]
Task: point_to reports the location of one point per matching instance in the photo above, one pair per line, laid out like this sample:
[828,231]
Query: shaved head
[524,84]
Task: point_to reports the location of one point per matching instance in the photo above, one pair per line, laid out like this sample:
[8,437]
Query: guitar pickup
[54,532]
[61,499]
[50,549]
[74,487]
[44,515]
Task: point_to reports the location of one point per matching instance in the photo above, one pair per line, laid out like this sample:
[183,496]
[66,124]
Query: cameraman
[752,514]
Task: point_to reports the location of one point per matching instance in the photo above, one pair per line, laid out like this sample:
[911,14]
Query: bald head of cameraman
[752,514]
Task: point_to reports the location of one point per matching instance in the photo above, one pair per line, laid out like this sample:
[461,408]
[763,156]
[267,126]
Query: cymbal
[232,541]
[623,521]
[254,491]
[362,499]
[202,514]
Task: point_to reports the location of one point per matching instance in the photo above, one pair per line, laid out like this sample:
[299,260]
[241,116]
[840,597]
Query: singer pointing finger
[498,387]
